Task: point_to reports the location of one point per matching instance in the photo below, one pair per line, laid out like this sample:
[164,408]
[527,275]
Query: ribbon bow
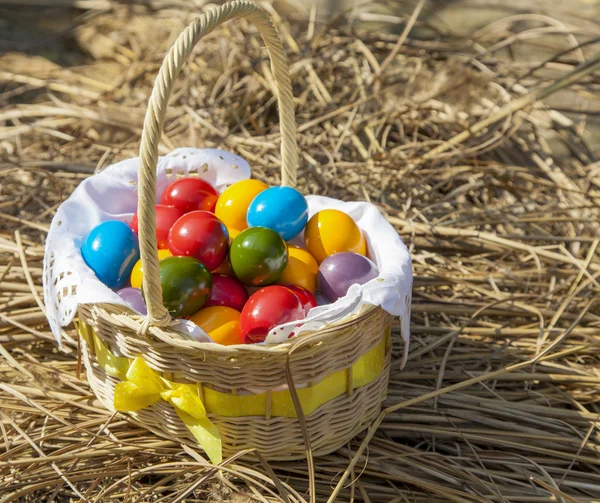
[144,387]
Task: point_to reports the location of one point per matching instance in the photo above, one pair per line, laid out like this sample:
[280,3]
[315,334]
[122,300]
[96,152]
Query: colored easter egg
[233,203]
[339,272]
[166,216]
[221,323]
[227,291]
[332,231]
[258,256]
[200,234]
[233,233]
[137,273]
[301,269]
[133,297]
[186,285]
[269,307]
[282,209]
[306,298]
[111,250]
[190,194]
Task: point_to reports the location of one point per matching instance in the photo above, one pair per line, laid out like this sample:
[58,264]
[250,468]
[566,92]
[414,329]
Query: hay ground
[499,400]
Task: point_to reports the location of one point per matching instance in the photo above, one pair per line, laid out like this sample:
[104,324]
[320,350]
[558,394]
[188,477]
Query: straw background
[478,140]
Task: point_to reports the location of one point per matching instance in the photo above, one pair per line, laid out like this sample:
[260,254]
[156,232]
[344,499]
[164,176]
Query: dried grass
[495,192]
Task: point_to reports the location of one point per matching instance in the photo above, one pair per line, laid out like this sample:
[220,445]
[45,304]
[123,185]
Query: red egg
[166,216]
[201,235]
[267,308]
[190,194]
[227,291]
[308,299]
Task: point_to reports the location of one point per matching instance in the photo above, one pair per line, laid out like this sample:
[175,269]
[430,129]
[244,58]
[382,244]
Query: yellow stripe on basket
[365,369]
[114,366]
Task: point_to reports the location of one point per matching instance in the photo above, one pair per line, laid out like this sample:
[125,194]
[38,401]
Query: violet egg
[338,272]
[133,297]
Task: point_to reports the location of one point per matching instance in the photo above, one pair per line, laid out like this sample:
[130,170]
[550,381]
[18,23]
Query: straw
[495,192]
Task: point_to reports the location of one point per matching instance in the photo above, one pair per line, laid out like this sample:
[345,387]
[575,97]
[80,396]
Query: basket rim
[122,316]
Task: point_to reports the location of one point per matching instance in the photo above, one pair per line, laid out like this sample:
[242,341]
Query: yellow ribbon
[145,387]
[142,386]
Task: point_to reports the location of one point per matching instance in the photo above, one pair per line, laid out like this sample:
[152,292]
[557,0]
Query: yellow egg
[137,273]
[332,231]
[232,233]
[301,269]
[221,323]
[233,203]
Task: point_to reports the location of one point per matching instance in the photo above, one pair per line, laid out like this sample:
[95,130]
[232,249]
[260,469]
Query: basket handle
[153,126]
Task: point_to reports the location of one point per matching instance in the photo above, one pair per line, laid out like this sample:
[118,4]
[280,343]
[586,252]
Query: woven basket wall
[279,438]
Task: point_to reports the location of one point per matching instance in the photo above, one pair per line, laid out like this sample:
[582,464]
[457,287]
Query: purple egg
[338,272]
[133,297]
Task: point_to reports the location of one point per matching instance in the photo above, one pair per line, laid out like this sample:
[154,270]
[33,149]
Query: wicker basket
[305,365]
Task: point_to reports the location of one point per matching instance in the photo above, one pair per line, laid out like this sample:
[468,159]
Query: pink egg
[227,291]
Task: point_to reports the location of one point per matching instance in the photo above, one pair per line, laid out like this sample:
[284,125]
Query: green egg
[186,285]
[258,256]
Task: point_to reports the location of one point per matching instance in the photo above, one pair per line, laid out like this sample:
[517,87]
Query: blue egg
[281,209]
[111,250]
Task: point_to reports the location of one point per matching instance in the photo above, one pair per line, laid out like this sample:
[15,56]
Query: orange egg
[137,273]
[233,203]
[332,231]
[221,323]
[301,269]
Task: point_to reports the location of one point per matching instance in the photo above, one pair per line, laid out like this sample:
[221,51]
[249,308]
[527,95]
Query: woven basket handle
[153,126]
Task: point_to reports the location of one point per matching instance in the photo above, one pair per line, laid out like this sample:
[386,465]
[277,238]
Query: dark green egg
[186,285]
[258,256]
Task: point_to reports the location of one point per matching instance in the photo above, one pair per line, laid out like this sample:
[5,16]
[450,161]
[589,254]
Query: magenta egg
[308,299]
[338,272]
[227,291]
[133,297]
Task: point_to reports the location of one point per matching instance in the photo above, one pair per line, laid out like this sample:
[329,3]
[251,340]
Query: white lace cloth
[112,195]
